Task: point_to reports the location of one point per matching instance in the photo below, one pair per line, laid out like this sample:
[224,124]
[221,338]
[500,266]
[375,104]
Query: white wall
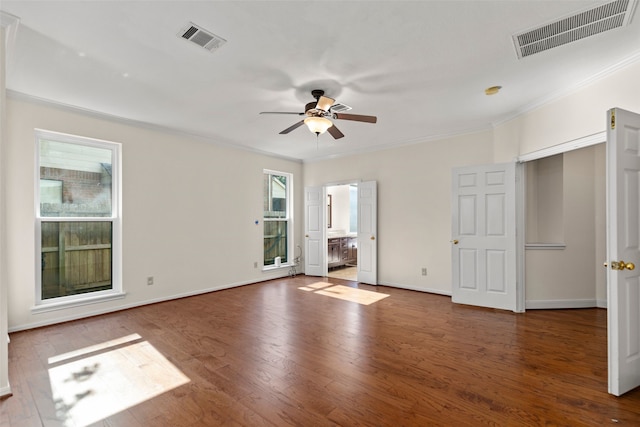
[340,218]
[4,336]
[579,114]
[414,204]
[544,200]
[599,173]
[189,208]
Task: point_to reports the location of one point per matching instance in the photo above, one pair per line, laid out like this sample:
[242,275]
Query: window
[277,217]
[77,220]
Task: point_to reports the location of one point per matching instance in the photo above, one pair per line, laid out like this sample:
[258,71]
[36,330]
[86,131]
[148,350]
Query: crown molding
[541,102]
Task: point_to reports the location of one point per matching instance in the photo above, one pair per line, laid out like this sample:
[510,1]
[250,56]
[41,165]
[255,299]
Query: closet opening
[565,229]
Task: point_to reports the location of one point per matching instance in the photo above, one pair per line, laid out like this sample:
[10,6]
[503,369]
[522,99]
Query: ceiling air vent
[201,37]
[579,26]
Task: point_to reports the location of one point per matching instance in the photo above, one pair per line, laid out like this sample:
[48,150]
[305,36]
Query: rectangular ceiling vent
[585,24]
[339,108]
[202,37]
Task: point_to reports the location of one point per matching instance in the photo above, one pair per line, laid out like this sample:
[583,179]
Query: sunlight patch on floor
[96,382]
[346,293]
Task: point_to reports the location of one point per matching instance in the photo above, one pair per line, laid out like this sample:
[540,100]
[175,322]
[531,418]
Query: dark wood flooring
[272,354]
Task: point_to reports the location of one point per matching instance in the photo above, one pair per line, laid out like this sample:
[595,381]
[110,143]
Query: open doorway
[566,230]
[342,231]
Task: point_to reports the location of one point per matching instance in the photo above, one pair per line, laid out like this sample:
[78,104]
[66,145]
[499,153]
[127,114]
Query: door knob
[621,265]
[306,235]
[373,238]
[455,241]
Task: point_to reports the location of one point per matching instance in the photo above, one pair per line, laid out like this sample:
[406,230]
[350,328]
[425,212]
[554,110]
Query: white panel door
[623,249]
[315,261]
[367,233]
[483,254]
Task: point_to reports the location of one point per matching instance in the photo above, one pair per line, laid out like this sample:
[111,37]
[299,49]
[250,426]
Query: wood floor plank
[286,352]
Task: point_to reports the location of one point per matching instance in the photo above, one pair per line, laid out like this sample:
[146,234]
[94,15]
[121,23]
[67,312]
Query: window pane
[76,258]
[275,241]
[75,180]
[275,196]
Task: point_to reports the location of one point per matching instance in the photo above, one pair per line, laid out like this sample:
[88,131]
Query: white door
[367,233]
[623,249]
[315,262]
[483,252]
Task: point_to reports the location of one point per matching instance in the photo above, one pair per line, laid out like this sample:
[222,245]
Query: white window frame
[288,218]
[116,291]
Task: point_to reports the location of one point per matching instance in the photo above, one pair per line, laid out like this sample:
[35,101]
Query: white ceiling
[421,67]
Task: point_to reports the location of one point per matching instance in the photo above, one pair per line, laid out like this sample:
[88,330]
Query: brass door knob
[621,265]
[455,241]
[306,235]
[373,238]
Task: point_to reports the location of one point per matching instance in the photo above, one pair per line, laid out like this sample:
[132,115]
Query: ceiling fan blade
[356,117]
[335,132]
[290,128]
[324,103]
[281,112]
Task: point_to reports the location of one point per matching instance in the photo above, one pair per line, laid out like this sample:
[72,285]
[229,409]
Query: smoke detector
[588,23]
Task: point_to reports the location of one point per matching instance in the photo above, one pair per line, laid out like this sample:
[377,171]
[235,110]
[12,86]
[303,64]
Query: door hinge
[613,119]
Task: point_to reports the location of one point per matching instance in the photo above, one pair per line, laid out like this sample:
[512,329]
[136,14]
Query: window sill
[272,267]
[61,305]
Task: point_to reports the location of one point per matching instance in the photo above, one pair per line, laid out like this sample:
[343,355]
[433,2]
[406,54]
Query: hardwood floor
[345,272]
[286,353]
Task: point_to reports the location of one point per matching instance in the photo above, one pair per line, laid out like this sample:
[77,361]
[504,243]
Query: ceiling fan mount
[319,112]
[317,93]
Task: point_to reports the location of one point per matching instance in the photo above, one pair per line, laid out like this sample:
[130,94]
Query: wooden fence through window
[76,257]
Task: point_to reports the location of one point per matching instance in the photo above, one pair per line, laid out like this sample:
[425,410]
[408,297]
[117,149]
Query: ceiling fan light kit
[318,114]
[318,125]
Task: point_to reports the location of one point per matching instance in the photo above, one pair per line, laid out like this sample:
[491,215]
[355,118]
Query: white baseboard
[416,288]
[560,303]
[601,303]
[70,317]
[5,391]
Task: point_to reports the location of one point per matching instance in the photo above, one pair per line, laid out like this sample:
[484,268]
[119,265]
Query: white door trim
[585,141]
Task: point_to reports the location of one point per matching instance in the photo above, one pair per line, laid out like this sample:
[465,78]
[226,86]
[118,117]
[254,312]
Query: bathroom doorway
[342,231]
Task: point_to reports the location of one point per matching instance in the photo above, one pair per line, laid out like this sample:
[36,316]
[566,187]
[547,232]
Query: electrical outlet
[424,271]
[255,264]
[149,280]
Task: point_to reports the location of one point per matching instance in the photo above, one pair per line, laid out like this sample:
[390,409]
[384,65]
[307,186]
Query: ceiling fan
[318,114]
